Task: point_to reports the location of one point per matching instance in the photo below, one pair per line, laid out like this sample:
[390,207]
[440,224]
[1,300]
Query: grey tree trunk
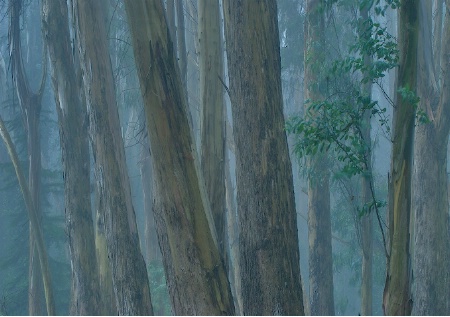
[196,276]
[35,223]
[431,253]
[30,104]
[319,217]
[75,157]
[367,252]
[129,274]
[366,183]
[269,254]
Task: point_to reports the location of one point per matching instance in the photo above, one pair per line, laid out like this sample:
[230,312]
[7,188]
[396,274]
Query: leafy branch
[336,123]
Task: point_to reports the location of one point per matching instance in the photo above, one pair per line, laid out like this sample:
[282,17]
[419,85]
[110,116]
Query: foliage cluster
[335,124]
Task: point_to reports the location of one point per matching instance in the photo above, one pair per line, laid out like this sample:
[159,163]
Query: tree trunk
[319,235]
[431,283]
[319,217]
[396,297]
[129,274]
[196,277]
[38,236]
[367,248]
[269,254]
[431,272]
[30,104]
[75,158]
[366,182]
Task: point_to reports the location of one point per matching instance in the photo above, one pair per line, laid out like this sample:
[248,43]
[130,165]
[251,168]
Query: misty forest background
[224,157]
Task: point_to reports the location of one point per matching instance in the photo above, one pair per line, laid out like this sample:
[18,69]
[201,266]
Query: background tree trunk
[269,254]
[319,217]
[30,104]
[366,182]
[196,277]
[34,222]
[129,274]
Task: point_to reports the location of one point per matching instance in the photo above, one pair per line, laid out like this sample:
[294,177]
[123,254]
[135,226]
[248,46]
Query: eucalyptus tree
[338,121]
[196,277]
[430,244]
[396,296]
[75,157]
[319,218]
[268,242]
[367,186]
[129,274]
[35,223]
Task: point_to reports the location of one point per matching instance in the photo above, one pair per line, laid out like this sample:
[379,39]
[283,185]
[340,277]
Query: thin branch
[34,219]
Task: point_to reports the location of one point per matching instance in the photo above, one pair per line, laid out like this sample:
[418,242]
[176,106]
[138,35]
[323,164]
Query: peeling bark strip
[196,277]
[397,297]
[130,280]
[75,158]
[269,255]
[212,114]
